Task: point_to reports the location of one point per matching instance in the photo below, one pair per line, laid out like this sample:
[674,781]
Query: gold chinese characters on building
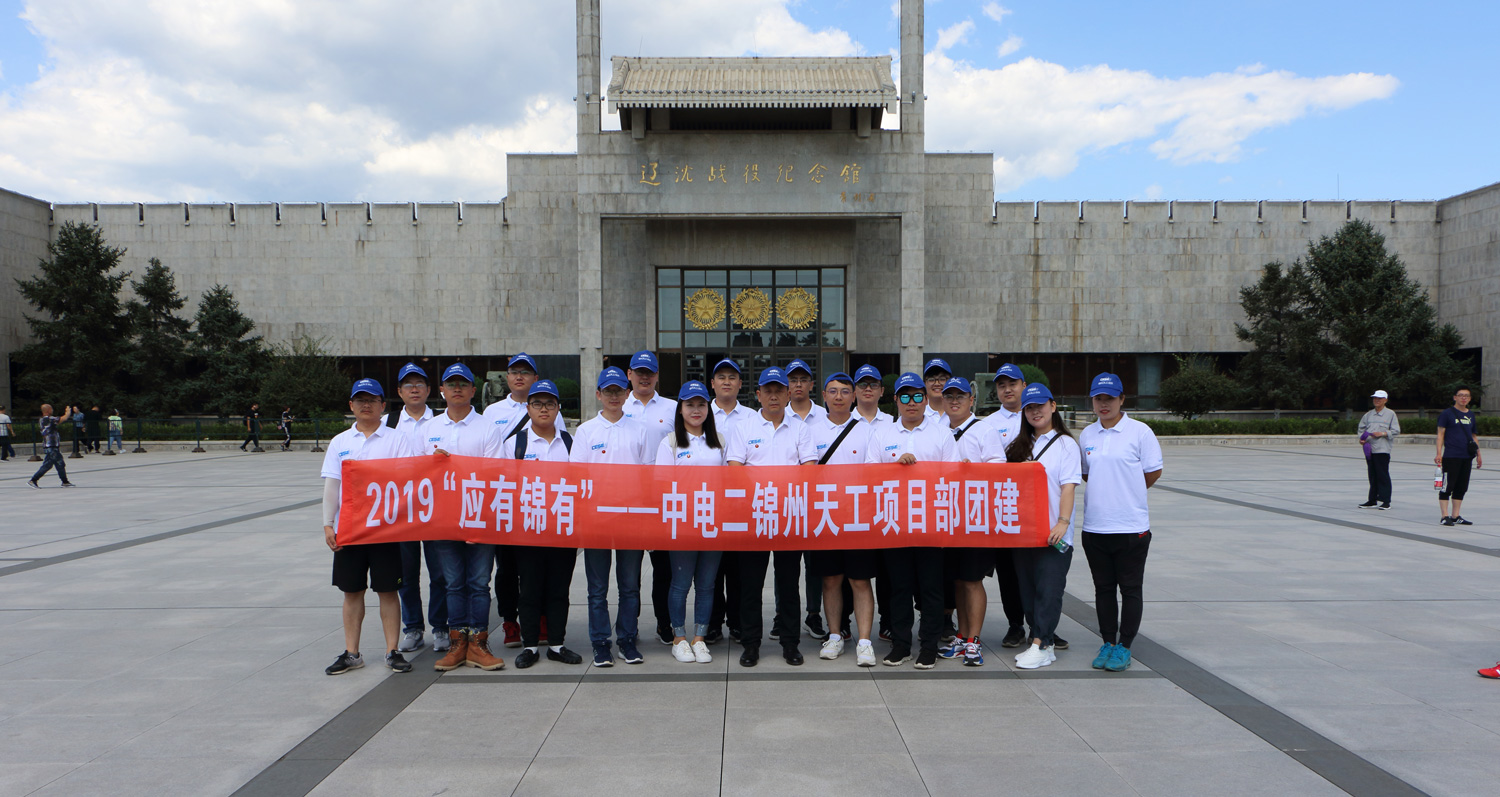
[704,309]
[751,309]
[797,309]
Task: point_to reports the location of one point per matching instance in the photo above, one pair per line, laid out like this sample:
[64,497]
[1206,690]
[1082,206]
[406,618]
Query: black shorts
[381,560]
[858,565]
[969,564]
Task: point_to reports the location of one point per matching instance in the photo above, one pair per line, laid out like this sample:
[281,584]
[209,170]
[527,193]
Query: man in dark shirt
[51,446]
[252,427]
[1455,434]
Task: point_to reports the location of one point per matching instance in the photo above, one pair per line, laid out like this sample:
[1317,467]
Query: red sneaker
[543,633]
[512,631]
[1491,672]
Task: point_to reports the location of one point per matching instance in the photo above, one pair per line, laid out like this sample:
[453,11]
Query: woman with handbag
[1457,451]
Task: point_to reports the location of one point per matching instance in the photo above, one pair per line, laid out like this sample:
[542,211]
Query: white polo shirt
[656,415]
[725,421]
[972,445]
[539,450]
[822,432]
[1003,425]
[471,437]
[757,441]
[1115,460]
[505,413]
[697,454]
[931,441]
[413,427]
[352,445]
[880,417]
[1062,466]
[599,440]
[814,412]
[930,412]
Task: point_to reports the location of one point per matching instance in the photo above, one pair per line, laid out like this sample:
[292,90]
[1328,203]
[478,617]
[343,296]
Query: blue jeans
[411,589]
[52,458]
[627,586]
[697,569]
[115,439]
[466,569]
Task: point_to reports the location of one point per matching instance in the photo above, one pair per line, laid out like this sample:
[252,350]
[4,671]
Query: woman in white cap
[1043,572]
[694,441]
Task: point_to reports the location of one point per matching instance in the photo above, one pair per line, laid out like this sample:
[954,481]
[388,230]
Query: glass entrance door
[758,317]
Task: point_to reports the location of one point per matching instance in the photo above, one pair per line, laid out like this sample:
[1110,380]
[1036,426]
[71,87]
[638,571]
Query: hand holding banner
[646,507]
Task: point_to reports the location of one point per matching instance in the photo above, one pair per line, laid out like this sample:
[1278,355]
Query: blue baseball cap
[1036,393]
[798,365]
[544,387]
[1010,371]
[644,359]
[958,383]
[1106,384]
[524,359]
[937,363]
[613,376]
[367,386]
[408,370]
[693,389]
[838,377]
[909,379]
[726,362]
[458,370]
[773,374]
[866,372]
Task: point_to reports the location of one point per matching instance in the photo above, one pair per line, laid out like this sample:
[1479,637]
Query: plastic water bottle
[1439,480]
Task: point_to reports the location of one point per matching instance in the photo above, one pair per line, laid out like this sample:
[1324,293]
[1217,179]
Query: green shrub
[567,387]
[1196,389]
[1031,373]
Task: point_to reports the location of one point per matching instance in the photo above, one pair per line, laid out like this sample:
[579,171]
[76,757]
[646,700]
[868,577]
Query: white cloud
[1011,44]
[996,11]
[1039,118]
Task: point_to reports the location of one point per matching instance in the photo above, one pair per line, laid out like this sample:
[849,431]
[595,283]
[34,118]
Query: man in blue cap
[773,437]
[357,567]
[657,414]
[935,376]
[612,437]
[509,414]
[411,419]
[869,389]
[466,566]
[800,382]
[725,382]
[966,568]
[1001,427]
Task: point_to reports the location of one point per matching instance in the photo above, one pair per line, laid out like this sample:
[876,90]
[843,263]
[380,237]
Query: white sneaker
[1035,656]
[441,643]
[701,654]
[682,651]
[831,649]
[410,641]
[864,655]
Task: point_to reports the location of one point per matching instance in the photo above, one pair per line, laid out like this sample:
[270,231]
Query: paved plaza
[164,629]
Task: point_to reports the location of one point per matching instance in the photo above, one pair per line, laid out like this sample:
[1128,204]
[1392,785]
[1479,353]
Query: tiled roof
[752,83]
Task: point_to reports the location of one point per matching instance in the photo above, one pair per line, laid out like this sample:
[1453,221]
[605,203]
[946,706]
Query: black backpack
[523,439]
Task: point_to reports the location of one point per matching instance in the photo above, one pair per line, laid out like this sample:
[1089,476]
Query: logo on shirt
[597,447]
[755,443]
[437,439]
[529,456]
[343,454]
[1088,450]
[681,454]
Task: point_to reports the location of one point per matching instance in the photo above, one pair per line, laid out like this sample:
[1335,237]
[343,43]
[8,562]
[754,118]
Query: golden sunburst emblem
[751,309]
[705,309]
[796,309]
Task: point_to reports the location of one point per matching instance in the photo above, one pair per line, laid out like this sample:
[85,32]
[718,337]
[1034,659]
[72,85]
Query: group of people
[251,421]
[865,595]
[1457,454]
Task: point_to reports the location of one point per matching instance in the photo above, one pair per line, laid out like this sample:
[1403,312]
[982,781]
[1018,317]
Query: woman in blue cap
[1043,572]
[694,442]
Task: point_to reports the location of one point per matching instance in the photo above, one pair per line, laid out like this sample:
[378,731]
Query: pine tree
[1286,366]
[305,377]
[82,331]
[157,365]
[231,364]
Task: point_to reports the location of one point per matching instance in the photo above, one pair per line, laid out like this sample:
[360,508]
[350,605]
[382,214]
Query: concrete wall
[1468,293]
[24,235]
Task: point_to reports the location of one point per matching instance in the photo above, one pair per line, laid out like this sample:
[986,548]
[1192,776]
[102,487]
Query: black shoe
[397,662]
[1058,643]
[1446,521]
[32,484]
[525,658]
[1365,505]
[68,484]
[793,656]
[344,663]
[750,657]
[814,626]
[885,634]
[897,657]
[950,632]
[926,660]
[664,635]
[564,655]
[1384,506]
[734,636]
[775,628]
[1013,637]
[1458,520]
[714,636]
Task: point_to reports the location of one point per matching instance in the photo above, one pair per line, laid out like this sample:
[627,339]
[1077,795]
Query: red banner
[638,507]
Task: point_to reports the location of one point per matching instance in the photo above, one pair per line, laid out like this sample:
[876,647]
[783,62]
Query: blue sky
[109,101]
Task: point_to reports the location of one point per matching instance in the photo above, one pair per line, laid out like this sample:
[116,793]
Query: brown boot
[458,651]
[479,654]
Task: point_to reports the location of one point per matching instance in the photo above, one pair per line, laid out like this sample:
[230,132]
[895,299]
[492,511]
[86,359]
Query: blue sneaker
[974,653]
[602,656]
[952,650]
[1102,660]
[1119,659]
[629,653]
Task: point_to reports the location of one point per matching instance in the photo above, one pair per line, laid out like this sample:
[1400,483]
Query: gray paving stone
[1039,773]
[1153,728]
[817,772]
[365,775]
[1232,772]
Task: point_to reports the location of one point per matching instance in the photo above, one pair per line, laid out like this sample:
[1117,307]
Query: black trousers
[727,593]
[546,574]
[882,595]
[252,437]
[1042,574]
[788,595]
[507,583]
[1458,470]
[915,574]
[6,452]
[661,584]
[1378,468]
[1010,588]
[1118,562]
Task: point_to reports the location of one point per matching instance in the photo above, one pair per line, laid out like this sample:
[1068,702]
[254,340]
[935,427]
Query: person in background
[91,426]
[694,442]
[286,427]
[252,427]
[6,452]
[80,437]
[47,428]
[1379,428]
[1457,452]
[116,432]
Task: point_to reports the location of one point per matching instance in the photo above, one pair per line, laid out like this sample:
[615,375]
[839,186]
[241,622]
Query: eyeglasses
[546,406]
[521,372]
[911,398]
[458,385]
